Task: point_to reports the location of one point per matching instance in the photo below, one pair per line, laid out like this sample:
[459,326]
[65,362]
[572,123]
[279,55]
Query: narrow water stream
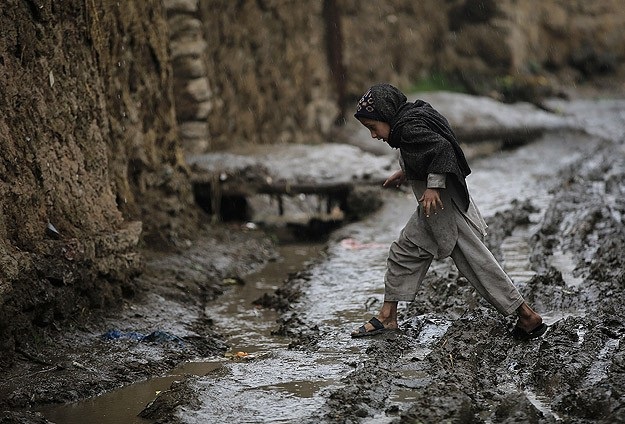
[247,328]
[346,285]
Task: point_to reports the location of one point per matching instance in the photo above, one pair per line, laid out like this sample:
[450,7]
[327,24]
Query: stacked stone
[192,92]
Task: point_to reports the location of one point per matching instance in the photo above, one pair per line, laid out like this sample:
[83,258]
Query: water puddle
[248,329]
[282,387]
[123,405]
[566,264]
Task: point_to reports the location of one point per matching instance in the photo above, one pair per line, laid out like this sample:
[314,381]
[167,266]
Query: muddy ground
[474,372]
[162,326]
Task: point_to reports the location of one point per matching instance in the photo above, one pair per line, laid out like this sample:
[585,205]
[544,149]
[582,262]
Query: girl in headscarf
[446,222]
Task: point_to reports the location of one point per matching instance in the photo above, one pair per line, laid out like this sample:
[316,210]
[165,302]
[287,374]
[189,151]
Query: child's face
[379,130]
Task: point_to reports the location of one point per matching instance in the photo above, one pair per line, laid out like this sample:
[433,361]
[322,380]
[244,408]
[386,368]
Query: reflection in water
[122,406]
[565,263]
[117,407]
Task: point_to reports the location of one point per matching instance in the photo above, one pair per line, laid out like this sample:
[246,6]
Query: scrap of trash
[239,356]
[352,244]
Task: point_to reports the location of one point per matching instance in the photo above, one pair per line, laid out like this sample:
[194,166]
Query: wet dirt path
[344,289]
[303,366]
[247,328]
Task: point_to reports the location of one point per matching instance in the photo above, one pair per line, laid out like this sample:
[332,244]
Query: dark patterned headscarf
[384,101]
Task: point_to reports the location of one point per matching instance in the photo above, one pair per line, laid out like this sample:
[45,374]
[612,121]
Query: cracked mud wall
[88,144]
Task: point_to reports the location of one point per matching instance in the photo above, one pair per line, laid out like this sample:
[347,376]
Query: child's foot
[519,333]
[375,326]
[529,323]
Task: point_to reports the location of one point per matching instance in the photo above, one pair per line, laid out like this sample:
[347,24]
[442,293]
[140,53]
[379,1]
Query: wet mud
[474,372]
[557,229]
[454,360]
[161,327]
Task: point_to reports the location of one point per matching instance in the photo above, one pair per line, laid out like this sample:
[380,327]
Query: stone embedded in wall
[193,129]
[188,48]
[184,26]
[192,90]
[189,67]
[198,89]
[194,136]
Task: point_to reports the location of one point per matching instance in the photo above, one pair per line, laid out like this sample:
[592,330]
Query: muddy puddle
[265,378]
[124,405]
[247,328]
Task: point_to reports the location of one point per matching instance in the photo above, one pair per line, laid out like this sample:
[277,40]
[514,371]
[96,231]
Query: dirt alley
[473,373]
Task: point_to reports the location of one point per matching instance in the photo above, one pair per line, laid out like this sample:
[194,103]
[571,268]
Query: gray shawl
[425,139]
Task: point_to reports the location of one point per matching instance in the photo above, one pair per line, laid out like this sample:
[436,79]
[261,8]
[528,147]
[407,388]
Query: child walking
[446,222]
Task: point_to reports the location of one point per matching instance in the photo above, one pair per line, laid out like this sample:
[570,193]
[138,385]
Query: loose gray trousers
[408,263]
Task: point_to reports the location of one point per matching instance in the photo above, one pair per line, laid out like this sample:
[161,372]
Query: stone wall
[262,69]
[192,91]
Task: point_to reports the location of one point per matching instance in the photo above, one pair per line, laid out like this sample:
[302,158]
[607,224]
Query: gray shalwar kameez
[431,157]
[448,232]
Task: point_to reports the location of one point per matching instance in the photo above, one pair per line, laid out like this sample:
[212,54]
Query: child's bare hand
[431,201]
[395,180]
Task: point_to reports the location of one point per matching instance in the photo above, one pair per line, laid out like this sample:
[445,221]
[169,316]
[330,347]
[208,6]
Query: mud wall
[88,150]
[489,46]
[267,71]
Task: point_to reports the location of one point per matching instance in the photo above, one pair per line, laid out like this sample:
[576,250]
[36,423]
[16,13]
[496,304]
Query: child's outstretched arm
[395,180]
